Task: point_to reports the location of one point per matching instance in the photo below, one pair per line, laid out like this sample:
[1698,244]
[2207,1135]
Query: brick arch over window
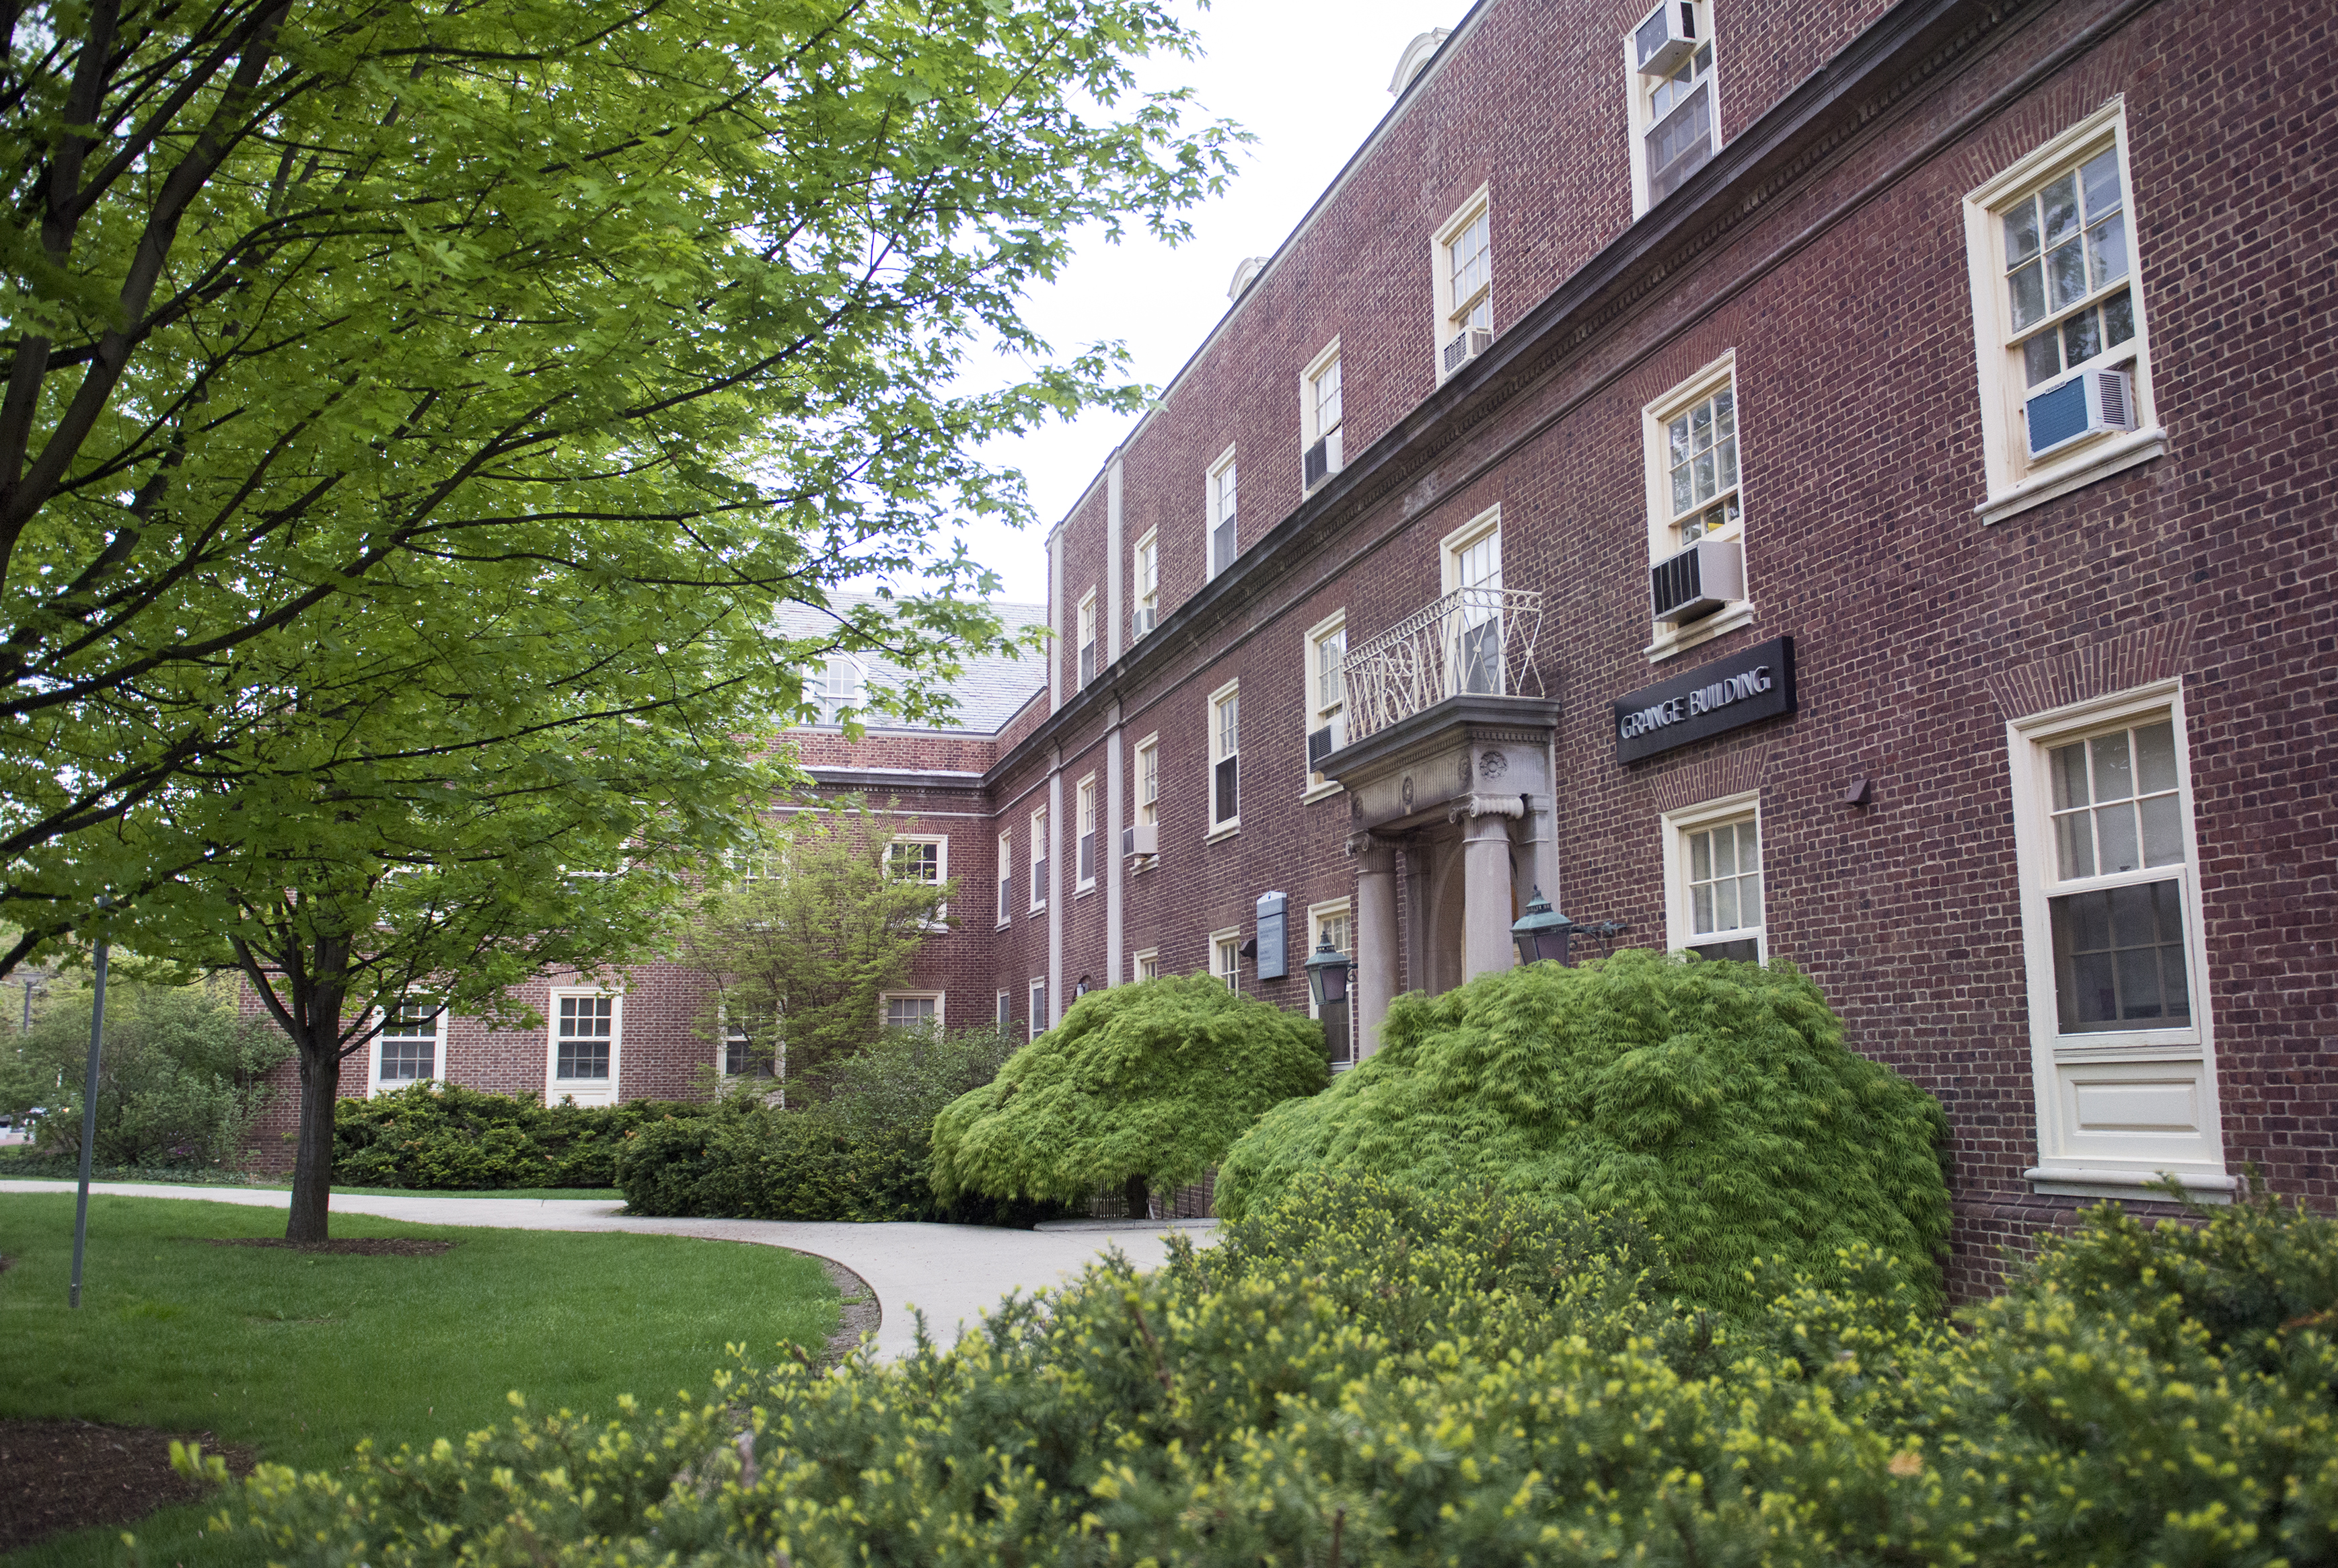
[2100,668]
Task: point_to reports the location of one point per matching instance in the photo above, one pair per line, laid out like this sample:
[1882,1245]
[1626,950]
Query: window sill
[2110,458]
[1144,862]
[1315,792]
[1083,890]
[1698,632]
[2093,1182]
[1225,830]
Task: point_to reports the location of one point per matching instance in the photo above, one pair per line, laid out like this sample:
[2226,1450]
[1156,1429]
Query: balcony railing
[1473,641]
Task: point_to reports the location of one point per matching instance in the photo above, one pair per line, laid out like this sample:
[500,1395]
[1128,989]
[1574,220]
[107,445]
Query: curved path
[951,1272]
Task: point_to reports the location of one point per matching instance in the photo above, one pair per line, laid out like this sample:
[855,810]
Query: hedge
[1362,1376]
[1717,1100]
[449,1137]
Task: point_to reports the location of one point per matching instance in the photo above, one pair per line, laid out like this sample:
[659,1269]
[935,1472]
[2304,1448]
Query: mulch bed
[61,1475]
[356,1247]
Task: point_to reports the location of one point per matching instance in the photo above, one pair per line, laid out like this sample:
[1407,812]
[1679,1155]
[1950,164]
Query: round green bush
[1715,1101]
[1150,1082]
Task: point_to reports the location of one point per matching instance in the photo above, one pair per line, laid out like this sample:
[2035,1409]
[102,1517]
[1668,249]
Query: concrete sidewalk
[952,1272]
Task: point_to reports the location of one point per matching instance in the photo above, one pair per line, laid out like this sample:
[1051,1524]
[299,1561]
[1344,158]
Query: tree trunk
[1139,1198]
[312,1168]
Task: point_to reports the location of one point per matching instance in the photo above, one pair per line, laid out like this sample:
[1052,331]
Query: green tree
[330,314]
[180,1080]
[797,943]
[1142,1087]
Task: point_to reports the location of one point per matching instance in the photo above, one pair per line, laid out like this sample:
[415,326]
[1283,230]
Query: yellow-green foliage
[1716,1101]
[1153,1080]
[1368,1376]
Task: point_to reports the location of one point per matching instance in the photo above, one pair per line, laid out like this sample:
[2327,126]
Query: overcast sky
[1308,78]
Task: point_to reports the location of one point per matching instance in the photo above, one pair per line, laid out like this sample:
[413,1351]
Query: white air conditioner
[1144,621]
[1665,37]
[1471,343]
[1141,839]
[1698,580]
[2088,404]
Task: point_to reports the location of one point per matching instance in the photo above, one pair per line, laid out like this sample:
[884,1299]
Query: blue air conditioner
[2088,404]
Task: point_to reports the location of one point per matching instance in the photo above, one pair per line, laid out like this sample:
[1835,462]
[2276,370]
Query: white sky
[1308,78]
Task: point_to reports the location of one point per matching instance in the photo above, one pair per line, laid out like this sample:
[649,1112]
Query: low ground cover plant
[1716,1100]
[445,1136]
[1365,1375]
[1141,1087]
[853,1144]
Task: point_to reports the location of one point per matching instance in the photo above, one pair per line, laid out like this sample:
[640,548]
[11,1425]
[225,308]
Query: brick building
[1835,483]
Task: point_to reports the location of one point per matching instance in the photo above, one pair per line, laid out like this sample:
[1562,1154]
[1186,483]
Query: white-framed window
[1321,416]
[837,684]
[1326,726]
[1463,265]
[1006,877]
[410,1045]
[586,1042]
[1470,561]
[2065,362]
[1090,651]
[1147,597]
[2120,1038]
[1225,956]
[911,1009]
[742,1056]
[1668,74]
[1224,499]
[1148,780]
[1334,921]
[1691,437]
[1713,879]
[1145,964]
[1006,1011]
[1037,1019]
[922,859]
[1039,859]
[1085,797]
[1225,758]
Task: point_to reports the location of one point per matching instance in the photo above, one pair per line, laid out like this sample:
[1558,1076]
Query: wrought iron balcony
[1473,642]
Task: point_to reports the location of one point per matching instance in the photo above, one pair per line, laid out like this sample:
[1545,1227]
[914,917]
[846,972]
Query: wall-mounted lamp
[1861,792]
[1326,975]
[1542,932]
[1081,989]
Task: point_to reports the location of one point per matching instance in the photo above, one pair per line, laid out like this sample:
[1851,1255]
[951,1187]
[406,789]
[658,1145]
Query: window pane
[2100,178]
[2163,831]
[2118,958]
[1700,426]
[2118,319]
[2074,844]
[2065,276]
[2041,357]
[2154,756]
[1725,905]
[2028,287]
[2114,838]
[2114,778]
[2107,249]
[2067,765]
[2059,203]
[1701,908]
[1724,415]
[1728,454]
[2021,233]
[2082,337]
[1704,475]
[1683,493]
[1676,441]
[1700,857]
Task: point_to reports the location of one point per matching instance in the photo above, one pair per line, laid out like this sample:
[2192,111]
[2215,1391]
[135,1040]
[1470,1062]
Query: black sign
[1743,688]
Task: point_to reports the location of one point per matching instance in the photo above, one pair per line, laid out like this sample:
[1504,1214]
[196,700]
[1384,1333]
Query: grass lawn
[300,1355]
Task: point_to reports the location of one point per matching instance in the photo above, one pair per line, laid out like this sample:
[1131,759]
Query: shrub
[1716,1101]
[860,1152]
[449,1137]
[1142,1085]
[180,1078]
[1365,1376]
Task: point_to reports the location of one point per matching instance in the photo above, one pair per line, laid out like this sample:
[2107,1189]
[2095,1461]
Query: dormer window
[835,686]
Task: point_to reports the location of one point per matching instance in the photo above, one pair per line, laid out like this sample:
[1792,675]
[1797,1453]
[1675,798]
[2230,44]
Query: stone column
[1372,984]
[1486,915]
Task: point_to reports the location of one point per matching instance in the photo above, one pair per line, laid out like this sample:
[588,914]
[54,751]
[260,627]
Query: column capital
[1474,808]
[1373,853]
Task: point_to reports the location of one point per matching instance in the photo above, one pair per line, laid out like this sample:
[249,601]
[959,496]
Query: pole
[88,1123]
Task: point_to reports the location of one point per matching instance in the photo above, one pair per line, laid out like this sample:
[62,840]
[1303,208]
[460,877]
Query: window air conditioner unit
[1141,839]
[1321,743]
[1698,580]
[2088,404]
[1322,459]
[1144,618]
[1471,343]
[1665,37]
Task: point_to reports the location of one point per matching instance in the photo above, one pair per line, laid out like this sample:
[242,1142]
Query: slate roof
[992,688]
